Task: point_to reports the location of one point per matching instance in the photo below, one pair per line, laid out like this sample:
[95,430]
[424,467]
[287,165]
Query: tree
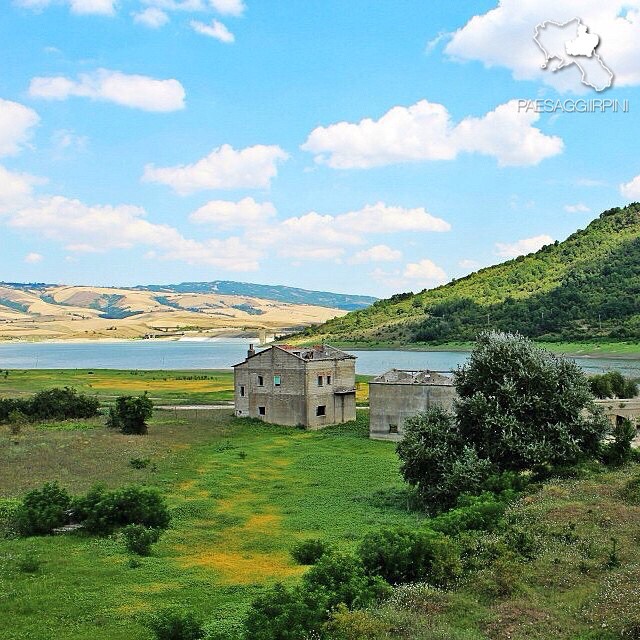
[436,460]
[42,510]
[521,407]
[130,414]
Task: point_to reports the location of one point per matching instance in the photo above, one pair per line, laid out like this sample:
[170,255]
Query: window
[242,391]
[319,381]
[262,411]
[328,379]
[321,410]
[393,428]
[276,381]
[261,381]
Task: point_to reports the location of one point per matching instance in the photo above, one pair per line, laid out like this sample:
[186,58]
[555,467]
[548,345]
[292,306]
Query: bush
[356,625]
[43,510]
[280,613]
[101,511]
[8,512]
[613,384]
[472,513]
[619,451]
[631,491]
[130,414]
[309,551]
[51,404]
[175,624]
[138,538]
[401,555]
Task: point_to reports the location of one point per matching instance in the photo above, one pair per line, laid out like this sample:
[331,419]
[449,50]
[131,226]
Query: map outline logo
[577,48]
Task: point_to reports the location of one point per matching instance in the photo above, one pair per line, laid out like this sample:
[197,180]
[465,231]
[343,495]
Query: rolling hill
[49,311]
[584,288]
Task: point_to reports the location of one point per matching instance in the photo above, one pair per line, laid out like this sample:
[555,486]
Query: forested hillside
[587,287]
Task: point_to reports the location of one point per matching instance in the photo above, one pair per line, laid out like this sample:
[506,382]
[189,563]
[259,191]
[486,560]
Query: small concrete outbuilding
[311,387]
[399,394]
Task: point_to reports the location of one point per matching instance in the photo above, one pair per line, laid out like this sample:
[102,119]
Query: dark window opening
[260,381]
[393,428]
[319,381]
[262,411]
[328,379]
[321,410]
[242,391]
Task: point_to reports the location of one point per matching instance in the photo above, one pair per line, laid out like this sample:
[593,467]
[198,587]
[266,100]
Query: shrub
[16,421]
[130,414]
[613,384]
[619,451]
[138,538]
[51,404]
[402,555]
[101,511]
[472,513]
[176,624]
[309,551]
[341,579]
[42,510]
[8,513]
[631,491]
[280,613]
[355,625]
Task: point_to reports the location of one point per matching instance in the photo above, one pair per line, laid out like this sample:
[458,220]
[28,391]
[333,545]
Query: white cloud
[33,258]
[631,190]
[503,37]
[314,236]
[227,215]
[522,247]
[135,91]
[425,273]
[151,17]
[83,228]
[576,208]
[15,189]
[80,7]
[214,30]
[377,253]
[424,131]
[224,168]
[16,124]
[64,139]
[228,7]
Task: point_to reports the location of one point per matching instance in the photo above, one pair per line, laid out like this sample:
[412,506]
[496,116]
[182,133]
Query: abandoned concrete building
[311,387]
[399,394]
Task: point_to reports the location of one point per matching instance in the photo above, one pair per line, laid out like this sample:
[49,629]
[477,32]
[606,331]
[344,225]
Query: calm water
[223,353]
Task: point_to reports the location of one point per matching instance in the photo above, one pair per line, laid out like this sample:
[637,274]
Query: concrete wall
[391,404]
[296,400]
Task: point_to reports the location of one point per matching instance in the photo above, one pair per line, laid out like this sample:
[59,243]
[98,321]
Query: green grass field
[241,493]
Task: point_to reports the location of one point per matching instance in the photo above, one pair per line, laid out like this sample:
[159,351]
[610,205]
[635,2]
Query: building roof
[409,376]
[308,354]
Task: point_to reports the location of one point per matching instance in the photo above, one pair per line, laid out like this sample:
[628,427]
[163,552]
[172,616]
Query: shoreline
[608,350]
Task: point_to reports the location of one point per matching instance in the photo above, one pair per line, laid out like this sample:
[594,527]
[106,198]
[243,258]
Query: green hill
[585,288]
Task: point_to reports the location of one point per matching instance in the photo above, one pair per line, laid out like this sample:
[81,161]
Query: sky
[361,147]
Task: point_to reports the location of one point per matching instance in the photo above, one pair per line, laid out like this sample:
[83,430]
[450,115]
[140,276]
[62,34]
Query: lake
[222,353]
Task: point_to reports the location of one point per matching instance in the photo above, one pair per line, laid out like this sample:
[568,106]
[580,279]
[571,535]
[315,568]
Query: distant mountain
[267,292]
[583,288]
[50,311]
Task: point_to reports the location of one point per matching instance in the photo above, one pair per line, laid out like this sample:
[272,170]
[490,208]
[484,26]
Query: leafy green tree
[522,407]
[130,414]
[138,538]
[437,461]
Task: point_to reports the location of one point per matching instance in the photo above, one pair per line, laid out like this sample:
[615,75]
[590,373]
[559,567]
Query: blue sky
[362,147]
